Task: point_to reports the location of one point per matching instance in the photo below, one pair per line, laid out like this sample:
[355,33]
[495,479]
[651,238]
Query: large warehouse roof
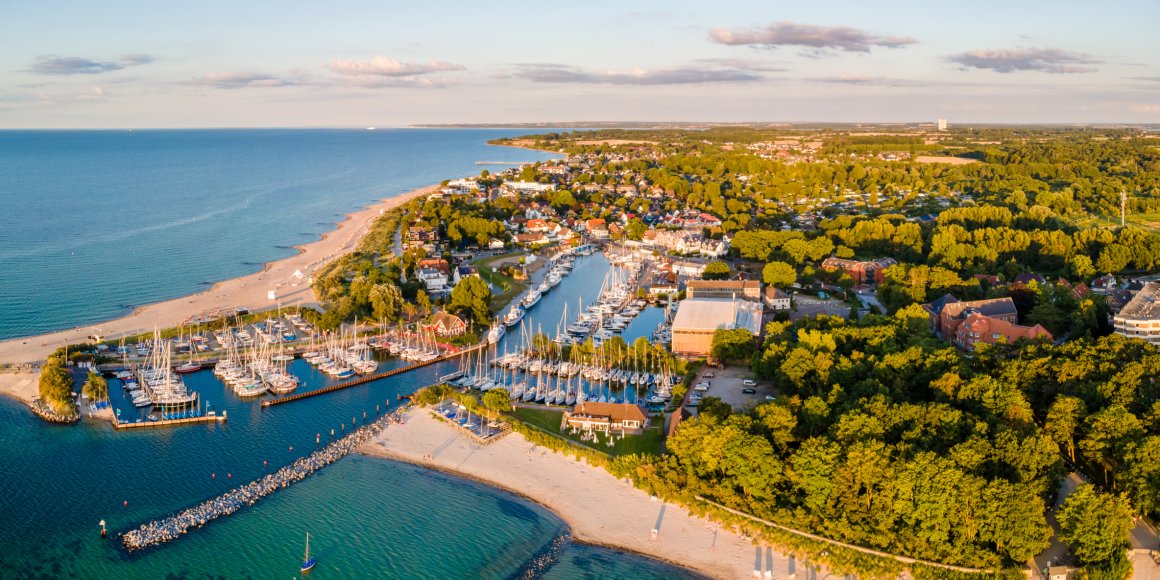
[712,314]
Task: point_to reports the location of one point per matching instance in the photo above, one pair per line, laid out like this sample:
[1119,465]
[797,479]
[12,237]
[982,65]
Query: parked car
[749,383]
[749,391]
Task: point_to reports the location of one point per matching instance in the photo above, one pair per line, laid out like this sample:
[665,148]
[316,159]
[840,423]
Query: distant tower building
[942,124]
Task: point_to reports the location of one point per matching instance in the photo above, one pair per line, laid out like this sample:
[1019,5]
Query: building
[862,272]
[776,299]
[529,186]
[942,124]
[665,289]
[462,186]
[698,319]
[977,328]
[606,417]
[1140,317]
[446,324]
[436,280]
[741,289]
[948,312]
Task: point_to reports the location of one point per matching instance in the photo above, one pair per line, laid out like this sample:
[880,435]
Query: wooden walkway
[370,378]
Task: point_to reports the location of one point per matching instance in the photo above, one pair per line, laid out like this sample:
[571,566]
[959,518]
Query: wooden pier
[371,378]
[211,417]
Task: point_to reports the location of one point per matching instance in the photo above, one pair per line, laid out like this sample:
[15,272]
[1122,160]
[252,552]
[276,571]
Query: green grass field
[510,287]
[549,422]
[1147,221]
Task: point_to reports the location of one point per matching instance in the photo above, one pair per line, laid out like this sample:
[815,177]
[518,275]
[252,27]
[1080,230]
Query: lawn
[549,421]
[1141,220]
[509,287]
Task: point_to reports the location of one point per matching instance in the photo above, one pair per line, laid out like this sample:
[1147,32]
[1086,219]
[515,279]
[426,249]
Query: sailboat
[308,562]
[193,365]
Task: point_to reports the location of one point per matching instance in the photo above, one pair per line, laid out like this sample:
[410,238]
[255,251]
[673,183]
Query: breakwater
[158,532]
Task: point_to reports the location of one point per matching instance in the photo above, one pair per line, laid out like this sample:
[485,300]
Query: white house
[462,186]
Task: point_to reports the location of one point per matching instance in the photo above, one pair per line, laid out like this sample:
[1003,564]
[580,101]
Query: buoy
[229,476]
[213,476]
[263,463]
[291,448]
[126,503]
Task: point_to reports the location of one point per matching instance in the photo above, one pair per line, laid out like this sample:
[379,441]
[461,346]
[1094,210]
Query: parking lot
[812,306]
[727,385]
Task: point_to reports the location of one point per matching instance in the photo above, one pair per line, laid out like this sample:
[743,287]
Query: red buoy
[291,448]
[213,476]
[126,503]
[229,476]
[263,463]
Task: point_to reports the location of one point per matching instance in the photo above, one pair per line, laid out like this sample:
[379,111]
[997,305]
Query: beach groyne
[165,530]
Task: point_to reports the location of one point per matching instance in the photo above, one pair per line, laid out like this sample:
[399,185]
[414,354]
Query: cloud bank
[1008,60]
[74,65]
[559,73]
[787,33]
[388,67]
[240,80]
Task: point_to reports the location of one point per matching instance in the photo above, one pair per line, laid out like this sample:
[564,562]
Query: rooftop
[1145,306]
[712,314]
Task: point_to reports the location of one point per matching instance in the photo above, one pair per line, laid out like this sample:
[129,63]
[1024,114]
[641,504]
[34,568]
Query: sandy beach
[244,292]
[23,385]
[599,508]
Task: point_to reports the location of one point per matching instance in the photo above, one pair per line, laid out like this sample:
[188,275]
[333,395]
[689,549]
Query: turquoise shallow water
[367,517]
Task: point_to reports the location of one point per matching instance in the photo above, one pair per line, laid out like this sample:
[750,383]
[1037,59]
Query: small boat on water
[307,561]
[189,367]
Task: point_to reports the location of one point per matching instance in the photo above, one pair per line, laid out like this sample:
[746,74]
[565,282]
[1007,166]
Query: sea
[99,221]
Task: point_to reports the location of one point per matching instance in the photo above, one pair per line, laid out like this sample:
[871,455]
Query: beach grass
[549,421]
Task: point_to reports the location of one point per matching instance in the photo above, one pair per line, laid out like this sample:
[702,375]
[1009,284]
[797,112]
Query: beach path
[599,508]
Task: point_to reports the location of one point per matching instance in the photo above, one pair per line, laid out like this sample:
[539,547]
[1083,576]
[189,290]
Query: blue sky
[358,63]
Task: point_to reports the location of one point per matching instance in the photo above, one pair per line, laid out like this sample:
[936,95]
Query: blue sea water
[99,222]
[367,517]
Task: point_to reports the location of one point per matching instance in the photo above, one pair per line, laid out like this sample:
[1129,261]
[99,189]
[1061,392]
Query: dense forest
[889,439]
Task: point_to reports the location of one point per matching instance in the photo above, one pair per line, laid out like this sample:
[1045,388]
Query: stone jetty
[168,529]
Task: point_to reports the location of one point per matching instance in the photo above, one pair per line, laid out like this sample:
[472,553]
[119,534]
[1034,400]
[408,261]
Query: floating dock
[212,417]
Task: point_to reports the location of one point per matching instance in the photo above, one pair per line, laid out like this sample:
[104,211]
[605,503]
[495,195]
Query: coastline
[249,291]
[23,386]
[600,509]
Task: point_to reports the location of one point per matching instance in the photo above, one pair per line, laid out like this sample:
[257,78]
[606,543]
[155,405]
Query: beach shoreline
[249,291]
[599,509]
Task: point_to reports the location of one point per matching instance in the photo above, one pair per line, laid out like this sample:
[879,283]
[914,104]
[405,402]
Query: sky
[353,63]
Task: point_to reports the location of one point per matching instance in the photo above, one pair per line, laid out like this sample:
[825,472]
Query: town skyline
[120,65]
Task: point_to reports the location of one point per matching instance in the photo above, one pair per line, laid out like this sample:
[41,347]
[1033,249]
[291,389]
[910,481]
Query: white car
[749,383]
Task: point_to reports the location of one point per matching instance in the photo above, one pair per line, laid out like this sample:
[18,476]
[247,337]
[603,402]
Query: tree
[56,386]
[714,407]
[496,401]
[1095,526]
[779,274]
[386,302]
[473,297]
[635,229]
[716,271]
[733,345]
[1063,421]
[422,302]
[96,387]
